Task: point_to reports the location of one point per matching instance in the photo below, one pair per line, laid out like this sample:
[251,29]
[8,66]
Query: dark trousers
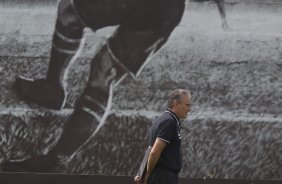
[162,176]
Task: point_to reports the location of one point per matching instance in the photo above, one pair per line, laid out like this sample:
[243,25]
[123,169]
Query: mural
[92,117]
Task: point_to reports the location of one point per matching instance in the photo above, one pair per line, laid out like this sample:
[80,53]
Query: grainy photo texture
[82,81]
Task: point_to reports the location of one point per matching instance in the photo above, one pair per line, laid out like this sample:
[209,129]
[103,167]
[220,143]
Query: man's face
[183,107]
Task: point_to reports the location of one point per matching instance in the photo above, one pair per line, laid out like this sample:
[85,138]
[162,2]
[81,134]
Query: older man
[164,161]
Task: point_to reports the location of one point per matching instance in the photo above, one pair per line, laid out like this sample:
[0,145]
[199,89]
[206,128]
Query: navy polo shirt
[167,128]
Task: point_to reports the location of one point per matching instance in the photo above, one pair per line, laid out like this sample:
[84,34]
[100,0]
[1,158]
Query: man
[144,26]
[164,161]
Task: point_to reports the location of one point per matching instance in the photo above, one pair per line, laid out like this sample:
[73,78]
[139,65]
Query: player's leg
[125,53]
[67,40]
[222,12]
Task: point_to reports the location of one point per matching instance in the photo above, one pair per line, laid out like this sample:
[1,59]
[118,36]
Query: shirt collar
[174,116]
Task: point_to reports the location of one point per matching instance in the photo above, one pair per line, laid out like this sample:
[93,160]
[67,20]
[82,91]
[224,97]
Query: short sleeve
[165,130]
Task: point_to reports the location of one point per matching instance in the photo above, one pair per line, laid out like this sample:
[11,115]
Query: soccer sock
[65,48]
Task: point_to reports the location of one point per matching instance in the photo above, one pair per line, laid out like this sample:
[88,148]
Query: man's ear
[175,103]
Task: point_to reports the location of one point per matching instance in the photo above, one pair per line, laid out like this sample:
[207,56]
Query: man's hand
[154,156]
[137,179]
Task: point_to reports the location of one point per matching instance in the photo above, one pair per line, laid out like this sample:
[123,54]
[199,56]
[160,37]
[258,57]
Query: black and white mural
[97,86]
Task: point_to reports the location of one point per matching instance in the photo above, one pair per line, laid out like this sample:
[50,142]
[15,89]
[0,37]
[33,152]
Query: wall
[233,130]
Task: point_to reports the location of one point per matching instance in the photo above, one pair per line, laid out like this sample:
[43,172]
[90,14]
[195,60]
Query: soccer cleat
[40,92]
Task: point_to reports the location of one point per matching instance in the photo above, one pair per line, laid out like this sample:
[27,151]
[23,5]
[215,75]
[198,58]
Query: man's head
[179,102]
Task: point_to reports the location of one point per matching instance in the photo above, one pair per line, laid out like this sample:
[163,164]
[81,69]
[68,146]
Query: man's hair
[176,95]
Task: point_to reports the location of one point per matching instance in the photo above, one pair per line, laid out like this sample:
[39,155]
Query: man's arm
[154,156]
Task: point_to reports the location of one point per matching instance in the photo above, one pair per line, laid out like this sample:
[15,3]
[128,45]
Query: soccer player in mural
[144,26]
[165,160]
